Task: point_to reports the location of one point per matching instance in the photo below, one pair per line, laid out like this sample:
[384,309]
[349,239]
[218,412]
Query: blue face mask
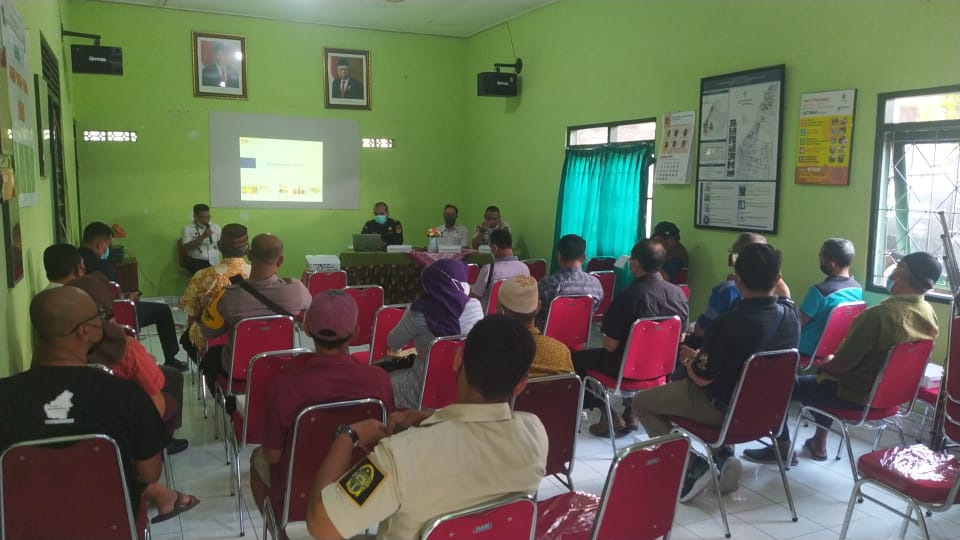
[106,253]
[380,219]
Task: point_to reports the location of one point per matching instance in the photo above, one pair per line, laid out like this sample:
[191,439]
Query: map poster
[826,138]
[738,169]
[673,157]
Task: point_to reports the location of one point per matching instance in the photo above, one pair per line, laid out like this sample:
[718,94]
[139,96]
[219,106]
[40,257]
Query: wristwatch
[344,428]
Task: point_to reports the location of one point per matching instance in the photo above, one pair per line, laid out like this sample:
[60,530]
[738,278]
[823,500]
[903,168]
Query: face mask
[450,221]
[825,269]
[380,219]
[106,253]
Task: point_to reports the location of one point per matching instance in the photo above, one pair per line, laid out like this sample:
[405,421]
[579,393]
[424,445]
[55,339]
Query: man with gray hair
[836,256]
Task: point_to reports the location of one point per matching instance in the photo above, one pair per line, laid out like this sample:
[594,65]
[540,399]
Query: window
[109,136]
[917,176]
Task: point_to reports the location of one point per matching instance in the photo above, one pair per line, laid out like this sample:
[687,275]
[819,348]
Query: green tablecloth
[397,273]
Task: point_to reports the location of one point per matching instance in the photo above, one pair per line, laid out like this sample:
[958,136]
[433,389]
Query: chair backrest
[512,517]
[473,270]
[261,370]
[439,378]
[537,267]
[369,299]
[686,289]
[568,320]
[129,330]
[645,478]
[759,403]
[834,332]
[608,281]
[115,287]
[494,295]
[557,400]
[651,349]
[682,276]
[900,377]
[181,253]
[600,263]
[125,313]
[309,444]
[45,488]
[384,321]
[255,335]
[317,282]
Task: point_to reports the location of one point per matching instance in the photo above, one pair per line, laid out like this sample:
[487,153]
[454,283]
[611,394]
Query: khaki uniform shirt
[552,356]
[464,454]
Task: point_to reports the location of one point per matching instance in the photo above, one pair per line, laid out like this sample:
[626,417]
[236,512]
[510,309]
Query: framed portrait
[346,79]
[219,66]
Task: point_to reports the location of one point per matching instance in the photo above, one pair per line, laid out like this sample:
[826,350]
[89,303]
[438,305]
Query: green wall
[149,187]
[588,62]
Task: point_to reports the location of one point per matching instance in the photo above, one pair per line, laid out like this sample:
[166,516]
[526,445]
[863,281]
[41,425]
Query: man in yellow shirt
[519,300]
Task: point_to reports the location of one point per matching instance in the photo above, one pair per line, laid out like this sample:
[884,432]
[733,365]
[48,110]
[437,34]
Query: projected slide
[281,170]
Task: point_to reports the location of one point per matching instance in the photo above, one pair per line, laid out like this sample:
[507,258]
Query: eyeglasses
[101,314]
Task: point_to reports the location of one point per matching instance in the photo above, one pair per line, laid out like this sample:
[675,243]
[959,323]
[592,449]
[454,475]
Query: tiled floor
[758,510]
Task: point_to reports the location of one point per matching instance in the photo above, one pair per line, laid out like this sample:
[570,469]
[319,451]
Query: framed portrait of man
[346,79]
[219,66]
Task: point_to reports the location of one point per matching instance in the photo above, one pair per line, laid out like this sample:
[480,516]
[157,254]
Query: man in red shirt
[332,375]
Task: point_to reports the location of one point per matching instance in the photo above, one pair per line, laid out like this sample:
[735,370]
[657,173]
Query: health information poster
[826,138]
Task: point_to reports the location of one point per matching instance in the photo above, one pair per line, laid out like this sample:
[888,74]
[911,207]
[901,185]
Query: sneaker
[696,479]
[730,472]
[767,456]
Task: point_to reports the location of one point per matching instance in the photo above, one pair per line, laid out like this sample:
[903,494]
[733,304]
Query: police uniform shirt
[391,232]
[463,455]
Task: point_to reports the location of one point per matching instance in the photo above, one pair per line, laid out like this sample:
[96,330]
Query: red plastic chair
[317,282]
[439,378]
[686,289]
[608,280]
[290,490]
[682,276]
[649,356]
[125,313]
[598,264]
[757,409]
[638,501]
[128,330]
[45,491]
[895,386]
[369,299]
[494,295]
[473,270]
[510,517]
[558,401]
[384,321]
[569,319]
[834,332]
[115,287]
[537,267]
[927,397]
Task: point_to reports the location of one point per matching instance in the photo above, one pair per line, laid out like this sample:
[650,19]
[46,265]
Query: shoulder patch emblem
[360,483]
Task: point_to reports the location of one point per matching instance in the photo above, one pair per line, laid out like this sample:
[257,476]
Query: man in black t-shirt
[60,395]
[389,229]
[759,322]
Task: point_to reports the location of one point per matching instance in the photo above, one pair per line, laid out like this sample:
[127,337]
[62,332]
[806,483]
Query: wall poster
[826,138]
[738,172]
[22,105]
[673,157]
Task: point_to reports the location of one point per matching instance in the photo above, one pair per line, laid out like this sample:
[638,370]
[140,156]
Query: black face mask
[450,221]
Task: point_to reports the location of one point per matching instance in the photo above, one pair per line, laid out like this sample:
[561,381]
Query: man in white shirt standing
[199,241]
[452,234]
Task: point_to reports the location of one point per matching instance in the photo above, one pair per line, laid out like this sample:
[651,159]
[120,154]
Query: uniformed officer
[461,455]
[390,230]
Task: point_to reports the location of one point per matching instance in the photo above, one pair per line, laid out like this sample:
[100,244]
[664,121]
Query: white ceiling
[454,18]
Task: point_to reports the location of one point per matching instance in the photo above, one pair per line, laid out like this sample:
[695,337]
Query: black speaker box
[97,59]
[497,84]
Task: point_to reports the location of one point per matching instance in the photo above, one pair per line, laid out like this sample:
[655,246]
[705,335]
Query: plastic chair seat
[929,395]
[630,385]
[568,516]
[916,471]
[856,414]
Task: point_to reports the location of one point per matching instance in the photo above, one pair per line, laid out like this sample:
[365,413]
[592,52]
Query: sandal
[808,444]
[179,507]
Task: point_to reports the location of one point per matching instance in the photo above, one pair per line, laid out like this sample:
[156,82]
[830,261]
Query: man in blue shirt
[836,255]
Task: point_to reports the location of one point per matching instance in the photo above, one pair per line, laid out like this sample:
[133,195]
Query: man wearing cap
[505,264]
[518,300]
[846,379]
[345,86]
[677,261]
[209,283]
[570,279]
[330,375]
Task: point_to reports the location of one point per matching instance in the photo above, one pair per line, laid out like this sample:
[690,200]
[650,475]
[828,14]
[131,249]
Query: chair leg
[612,433]
[783,476]
[921,521]
[906,520]
[853,461]
[716,486]
[851,504]
[876,438]
[796,437]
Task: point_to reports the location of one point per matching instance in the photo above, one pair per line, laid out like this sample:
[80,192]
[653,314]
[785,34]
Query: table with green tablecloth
[397,273]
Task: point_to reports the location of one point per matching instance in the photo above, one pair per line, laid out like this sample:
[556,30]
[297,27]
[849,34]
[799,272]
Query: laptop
[367,242]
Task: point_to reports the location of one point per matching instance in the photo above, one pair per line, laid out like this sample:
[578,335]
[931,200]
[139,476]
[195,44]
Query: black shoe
[767,456]
[176,364]
[177,445]
[695,479]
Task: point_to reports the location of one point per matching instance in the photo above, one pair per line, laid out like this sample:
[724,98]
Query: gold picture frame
[346,79]
[219,66]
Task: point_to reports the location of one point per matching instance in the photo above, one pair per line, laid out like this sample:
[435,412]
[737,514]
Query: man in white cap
[519,300]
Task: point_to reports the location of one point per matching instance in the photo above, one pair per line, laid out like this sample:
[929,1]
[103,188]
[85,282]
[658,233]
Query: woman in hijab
[444,309]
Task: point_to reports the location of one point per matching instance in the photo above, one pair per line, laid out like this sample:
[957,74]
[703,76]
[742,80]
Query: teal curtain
[603,196]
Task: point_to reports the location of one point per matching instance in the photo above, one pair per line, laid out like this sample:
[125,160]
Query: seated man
[452,234]
[209,283]
[518,300]
[199,241]
[677,261]
[836,256]
[389,229]
[761,321]
[460,455]
[288,296]
[650,295]
[63,264]
[846,379]
[60,396]
[491,222]
[504,265]
[330,376]
[95,249]
[570,280]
